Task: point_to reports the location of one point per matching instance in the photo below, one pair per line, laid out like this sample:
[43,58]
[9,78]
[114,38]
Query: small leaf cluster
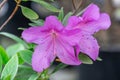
[32,15]
[15,60]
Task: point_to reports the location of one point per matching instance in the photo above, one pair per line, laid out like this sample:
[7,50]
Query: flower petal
[72,22]
[89,46]
[31,34]
[72,36]
[102,23]
[91,13]
[52,22]
[42,57]
[34,35]
[66,52]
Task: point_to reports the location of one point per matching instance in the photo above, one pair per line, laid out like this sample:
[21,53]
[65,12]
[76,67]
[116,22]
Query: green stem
[44,75]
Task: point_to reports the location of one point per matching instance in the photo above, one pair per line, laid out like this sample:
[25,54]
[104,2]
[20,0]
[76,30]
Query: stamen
[58,60]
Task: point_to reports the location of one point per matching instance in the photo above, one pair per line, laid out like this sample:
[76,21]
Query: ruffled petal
[66,53]
[31,34]
[42,56]
[72,22]
[102,23]
[91,13]
[52,22]
[35,35]
[89,46]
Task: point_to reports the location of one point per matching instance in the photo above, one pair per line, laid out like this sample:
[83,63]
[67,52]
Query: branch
[80,3]
[12,14]
[73,2]
[2,3]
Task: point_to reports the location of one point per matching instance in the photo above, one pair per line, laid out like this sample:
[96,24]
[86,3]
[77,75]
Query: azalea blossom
[52,41]
[89,23]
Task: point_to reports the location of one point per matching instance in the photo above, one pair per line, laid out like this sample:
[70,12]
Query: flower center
[53,33]
[54,36]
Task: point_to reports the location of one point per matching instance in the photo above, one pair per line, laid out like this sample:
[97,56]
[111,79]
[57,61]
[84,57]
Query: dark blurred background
[109,40]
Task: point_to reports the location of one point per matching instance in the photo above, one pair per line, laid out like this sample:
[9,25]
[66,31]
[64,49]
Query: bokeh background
[107,69]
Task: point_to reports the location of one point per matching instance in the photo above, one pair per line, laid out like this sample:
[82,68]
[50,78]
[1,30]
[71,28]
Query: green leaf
[4,55]
[26,55]
[10,68]
[61,14]
[58,67]
[52,0]
[38,22]
[46,5]
[20,28]
[13,49]
[21,61]
[25,0]
[29,13]
[66,18]
[1,64]
[31,46]
[25,66]
[17,39]
[81,12]
[33,77]
[99,59]
[33,24]
[24,73]
[85,59]
[7,78]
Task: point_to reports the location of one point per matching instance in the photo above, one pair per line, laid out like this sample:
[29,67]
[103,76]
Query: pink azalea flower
[51,42]
[91,22]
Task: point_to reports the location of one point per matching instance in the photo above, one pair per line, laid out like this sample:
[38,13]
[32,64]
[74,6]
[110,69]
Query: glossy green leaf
[85,59]
[13,49]
[21,28]
[46,5]
[33,24]
[25,0]
[38,22]
[31,46]
[33,77]
[21,61]
[66,18]
[10,68]
[52,0]
[29,13]
[4,55]
[99,59]
[61,15]
[25,66]
[15,38]
[1,64]
[26,55]
[81,12]
[24,73]
[7,78]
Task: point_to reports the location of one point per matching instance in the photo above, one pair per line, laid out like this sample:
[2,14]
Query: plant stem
[77,8]
[12,14]
[44,75]
[73,2]
[2,3]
